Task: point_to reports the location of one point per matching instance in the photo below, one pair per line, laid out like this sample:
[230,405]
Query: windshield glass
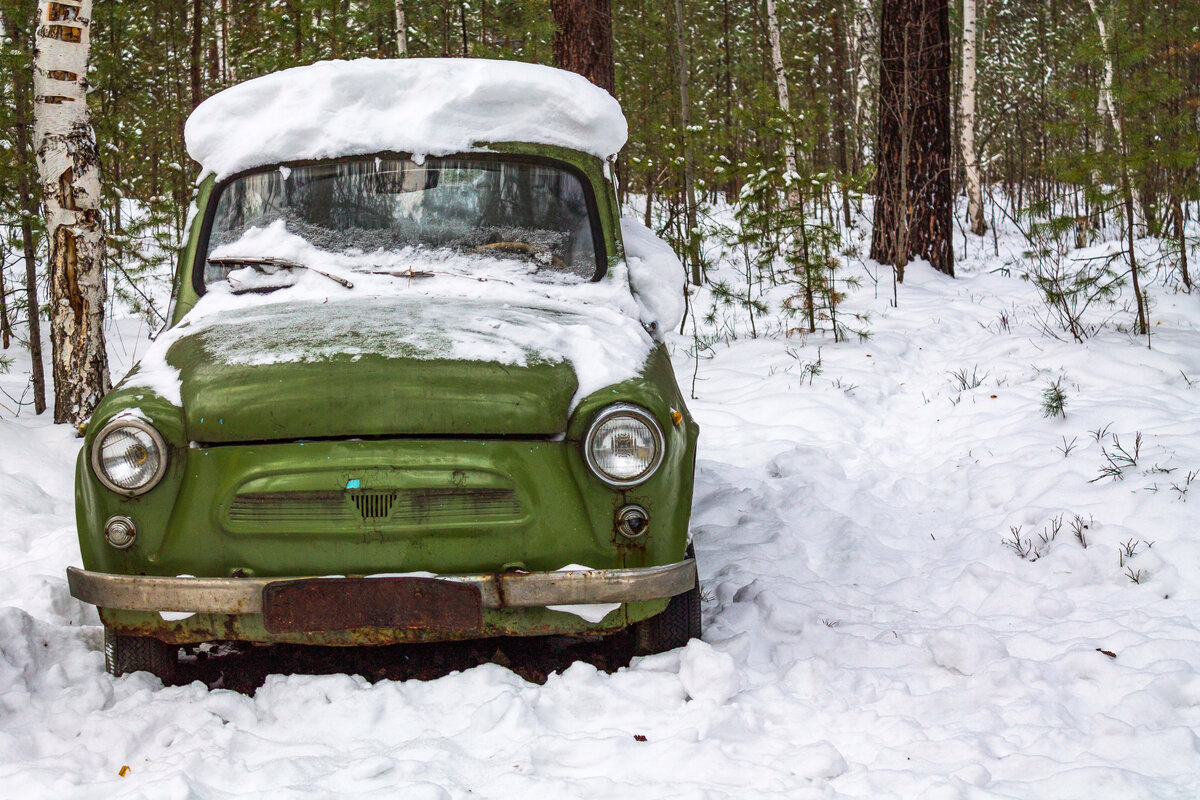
[384,211]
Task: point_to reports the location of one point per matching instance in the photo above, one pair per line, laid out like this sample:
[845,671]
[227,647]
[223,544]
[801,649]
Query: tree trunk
[967,113]
[223,72]
[913,203]
[731,148]
[1177,213]
[583,40]
[29,208]
[197,48]
[401,30]
[5,328]
[862,80]
[462,21]
[689,156]
[1108,107]
[781,94]
[69,168]
[839,110]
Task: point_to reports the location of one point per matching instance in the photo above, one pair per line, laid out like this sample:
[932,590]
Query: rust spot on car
[336,604]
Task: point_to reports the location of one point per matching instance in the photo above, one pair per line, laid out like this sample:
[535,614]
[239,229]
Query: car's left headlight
[129,456]
[624,445]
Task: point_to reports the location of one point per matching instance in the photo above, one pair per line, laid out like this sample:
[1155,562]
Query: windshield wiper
[281,263]
[403,273]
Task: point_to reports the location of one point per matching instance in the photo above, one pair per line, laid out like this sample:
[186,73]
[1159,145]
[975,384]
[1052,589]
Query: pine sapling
[1054,400]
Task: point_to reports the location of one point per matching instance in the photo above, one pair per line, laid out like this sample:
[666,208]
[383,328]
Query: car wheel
[126,654]
[675,626]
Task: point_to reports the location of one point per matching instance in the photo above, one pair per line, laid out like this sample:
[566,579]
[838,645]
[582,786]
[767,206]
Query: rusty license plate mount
[338,604]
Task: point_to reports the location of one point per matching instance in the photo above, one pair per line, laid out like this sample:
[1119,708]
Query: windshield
[388,211]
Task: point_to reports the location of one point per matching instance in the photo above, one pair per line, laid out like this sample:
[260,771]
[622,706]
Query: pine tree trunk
[29,207]
[839,110]
[731,142]
[197,48]
[967,114]
[913,202]
[1177,213]
[5,328]
[689,156]
[583,40]
[69,168]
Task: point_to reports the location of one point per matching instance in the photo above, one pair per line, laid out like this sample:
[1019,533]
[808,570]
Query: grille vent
[374,506]
[333,510]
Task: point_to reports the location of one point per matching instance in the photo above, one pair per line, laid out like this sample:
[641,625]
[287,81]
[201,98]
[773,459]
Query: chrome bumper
[497,590]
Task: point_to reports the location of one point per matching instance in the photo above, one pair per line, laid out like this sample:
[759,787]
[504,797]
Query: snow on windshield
[422,106]
[536,212]
[405,304]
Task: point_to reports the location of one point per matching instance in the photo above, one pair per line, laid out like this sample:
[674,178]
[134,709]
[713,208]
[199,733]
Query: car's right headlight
[624,445]
[129,456]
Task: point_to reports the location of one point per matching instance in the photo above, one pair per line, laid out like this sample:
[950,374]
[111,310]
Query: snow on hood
[423,106]
[471,308]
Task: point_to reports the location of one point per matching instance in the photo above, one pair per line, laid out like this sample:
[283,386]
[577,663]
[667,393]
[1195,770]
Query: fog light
[120,532]
[632,521]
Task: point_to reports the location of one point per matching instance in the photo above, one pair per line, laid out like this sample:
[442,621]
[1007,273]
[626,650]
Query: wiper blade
[280,263]
[403,273]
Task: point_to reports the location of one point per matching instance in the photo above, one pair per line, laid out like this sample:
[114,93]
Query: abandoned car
[412,386]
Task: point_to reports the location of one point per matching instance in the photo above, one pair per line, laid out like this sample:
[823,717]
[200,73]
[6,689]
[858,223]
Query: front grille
[353,510]
[374,505]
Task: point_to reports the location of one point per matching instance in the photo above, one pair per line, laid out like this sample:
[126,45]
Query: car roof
[423,106]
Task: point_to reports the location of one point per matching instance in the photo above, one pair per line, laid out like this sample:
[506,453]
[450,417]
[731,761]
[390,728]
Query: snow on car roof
[424,106]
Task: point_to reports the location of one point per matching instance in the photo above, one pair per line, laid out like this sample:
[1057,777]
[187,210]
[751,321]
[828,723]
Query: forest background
[1086,124]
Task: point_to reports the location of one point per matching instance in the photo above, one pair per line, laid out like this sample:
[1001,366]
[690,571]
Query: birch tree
[967,115]
[69,169]
[401,29]
[1134,221]
[781,95]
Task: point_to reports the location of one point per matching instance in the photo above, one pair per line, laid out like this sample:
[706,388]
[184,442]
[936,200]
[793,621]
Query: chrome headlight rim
[640,414]
[141,425]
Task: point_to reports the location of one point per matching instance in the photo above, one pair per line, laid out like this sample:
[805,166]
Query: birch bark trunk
[1108,107]
[794,196]
[785,103]
[223,73]
[69,169]
[967,112]
[401,30]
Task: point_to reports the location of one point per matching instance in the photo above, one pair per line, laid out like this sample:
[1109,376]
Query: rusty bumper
[496,590]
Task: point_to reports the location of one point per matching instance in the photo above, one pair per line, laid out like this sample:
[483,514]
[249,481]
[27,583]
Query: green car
[412,387]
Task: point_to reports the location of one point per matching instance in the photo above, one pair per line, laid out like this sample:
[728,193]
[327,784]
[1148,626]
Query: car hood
[374,366]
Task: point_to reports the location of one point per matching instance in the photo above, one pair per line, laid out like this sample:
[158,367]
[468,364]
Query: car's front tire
[126,654]
[675,626]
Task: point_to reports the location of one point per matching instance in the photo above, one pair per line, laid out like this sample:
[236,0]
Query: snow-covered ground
[868,631]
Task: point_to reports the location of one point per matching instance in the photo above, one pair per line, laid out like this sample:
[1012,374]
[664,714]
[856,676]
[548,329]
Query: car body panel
[364,464]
